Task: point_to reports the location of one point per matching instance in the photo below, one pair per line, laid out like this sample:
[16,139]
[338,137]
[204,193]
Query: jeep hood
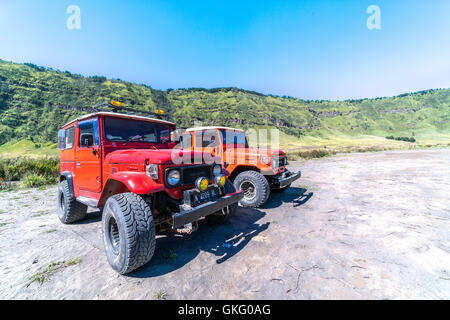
[265,152]
[160,156]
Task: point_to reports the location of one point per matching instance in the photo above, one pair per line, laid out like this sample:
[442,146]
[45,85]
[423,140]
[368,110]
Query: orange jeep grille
[279,162]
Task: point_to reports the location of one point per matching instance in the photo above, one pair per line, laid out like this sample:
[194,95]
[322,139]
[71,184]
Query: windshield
[236,138]
[119,129]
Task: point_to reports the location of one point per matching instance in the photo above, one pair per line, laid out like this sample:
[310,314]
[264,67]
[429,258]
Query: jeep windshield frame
[117,129]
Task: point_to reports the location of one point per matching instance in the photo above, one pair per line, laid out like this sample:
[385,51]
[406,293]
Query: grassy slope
[35,102]
[27,148]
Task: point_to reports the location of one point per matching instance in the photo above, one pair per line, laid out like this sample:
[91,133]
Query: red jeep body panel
[96,169]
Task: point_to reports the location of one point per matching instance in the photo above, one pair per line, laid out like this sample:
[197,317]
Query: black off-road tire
[255,187]
[69,209]
[280,190]
[128,232]
[224,215]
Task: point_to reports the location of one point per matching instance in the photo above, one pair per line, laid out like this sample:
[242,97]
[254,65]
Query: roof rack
[117,106]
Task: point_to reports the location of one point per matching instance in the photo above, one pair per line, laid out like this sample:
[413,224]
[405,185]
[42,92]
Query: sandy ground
[358,226]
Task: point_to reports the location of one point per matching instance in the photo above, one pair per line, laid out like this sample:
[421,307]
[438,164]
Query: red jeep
[253,170]
[124,165]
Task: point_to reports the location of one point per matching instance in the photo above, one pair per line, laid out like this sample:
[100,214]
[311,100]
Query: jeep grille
[279,162]
[190,173]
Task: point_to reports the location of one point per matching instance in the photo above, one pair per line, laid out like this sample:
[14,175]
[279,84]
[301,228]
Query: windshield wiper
[131,139]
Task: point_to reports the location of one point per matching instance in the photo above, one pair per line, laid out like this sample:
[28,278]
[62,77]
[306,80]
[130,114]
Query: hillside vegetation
[36,101]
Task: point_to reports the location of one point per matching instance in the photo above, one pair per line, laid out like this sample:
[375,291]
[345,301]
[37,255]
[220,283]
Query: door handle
[78,164]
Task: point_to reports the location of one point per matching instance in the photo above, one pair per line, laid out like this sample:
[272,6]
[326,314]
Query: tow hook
[187,228]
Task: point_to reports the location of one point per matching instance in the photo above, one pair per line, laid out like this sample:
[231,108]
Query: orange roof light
[160,111]
[116,103]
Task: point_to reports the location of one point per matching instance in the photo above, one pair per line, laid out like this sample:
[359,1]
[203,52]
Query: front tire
[255,186]
[69,209]
[225,214]
[128,232]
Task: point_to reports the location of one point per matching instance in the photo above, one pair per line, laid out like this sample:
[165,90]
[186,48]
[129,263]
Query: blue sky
[306,49]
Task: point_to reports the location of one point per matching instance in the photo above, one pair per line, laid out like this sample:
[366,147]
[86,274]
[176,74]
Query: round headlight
[220,180]
[201,183]
[265,160]
[217,169]
[173,178]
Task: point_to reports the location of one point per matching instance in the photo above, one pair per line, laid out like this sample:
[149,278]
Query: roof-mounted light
[116,103]
[160,111]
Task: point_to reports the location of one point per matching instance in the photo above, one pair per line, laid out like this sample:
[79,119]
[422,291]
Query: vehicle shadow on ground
[295,195]
[173,251]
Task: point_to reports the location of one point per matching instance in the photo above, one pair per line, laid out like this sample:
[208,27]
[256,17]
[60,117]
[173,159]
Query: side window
[186,141]
[88,133]
[206,139]
[210,139]
[198,139]
[60,139]
[68,138]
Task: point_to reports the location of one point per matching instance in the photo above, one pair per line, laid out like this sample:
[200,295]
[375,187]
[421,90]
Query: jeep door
[208,142]
[88,169]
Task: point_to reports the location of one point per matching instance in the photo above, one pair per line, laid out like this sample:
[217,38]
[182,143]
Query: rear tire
[255,187]
[128,232]
[225,214]
[69,209]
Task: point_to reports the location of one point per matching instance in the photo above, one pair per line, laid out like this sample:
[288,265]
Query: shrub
[34,180]
[32,172]
[313,154]
[15,169]
[411,139]
[5,185]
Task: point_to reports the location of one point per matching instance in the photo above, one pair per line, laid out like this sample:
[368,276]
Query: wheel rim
[249,190]
[113,235]
[62,204]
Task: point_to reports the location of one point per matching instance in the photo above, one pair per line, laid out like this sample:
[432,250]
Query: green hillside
[36,101]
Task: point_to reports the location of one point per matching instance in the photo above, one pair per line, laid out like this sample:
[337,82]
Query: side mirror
[175,136]
[86,140]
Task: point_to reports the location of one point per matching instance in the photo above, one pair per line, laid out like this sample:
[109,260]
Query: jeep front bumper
[284,179]
[194,213]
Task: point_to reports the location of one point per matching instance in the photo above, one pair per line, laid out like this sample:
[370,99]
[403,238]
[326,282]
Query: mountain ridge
[35,101]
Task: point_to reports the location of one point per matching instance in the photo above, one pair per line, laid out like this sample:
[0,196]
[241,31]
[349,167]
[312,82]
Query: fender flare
[124,181]
[67,175]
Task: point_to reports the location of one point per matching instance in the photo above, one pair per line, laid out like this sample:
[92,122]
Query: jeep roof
[119,115]
[213,128]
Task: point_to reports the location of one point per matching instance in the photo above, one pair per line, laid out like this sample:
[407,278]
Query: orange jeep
[253,170]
